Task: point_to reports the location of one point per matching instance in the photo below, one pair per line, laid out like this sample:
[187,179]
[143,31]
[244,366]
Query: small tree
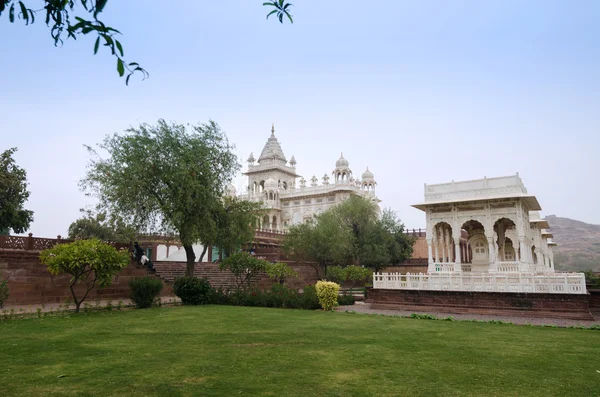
[90,263]
[280,272]
[244,267]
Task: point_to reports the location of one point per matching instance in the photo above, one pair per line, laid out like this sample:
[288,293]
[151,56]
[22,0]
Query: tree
[351,233]
[102,227]
[280,272]
[236,222]
[166,178]
[244,267]
[59,15]
[324,241]
[90,263]
[13,194]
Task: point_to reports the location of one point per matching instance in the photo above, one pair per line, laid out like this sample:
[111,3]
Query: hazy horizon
[425,92]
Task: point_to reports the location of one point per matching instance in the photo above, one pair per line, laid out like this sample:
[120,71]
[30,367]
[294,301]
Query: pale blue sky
[421,92]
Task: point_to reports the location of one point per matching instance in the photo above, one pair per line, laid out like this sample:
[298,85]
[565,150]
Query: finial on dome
[273,129]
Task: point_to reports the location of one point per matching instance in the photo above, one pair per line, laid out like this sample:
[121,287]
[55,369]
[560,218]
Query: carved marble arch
[505,230]
[507,253]
[442,226]
[534,255]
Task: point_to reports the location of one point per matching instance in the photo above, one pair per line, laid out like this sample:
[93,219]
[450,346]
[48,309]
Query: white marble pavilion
[486,235]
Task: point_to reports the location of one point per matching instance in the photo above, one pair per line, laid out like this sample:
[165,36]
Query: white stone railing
[444,267]
[556,283]
[465,267]
[508,267]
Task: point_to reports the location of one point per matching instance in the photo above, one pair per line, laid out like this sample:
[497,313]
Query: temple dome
[342,162]
[368,175]
[272,149]
[271,184]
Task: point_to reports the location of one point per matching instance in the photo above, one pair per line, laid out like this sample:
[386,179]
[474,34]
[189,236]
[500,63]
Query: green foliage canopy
[280,272]
[102,227]
[13,194]
[90,263]
[351,233]
[168,178]
[244,267]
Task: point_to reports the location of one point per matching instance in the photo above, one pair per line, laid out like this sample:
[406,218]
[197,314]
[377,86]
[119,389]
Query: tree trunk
[202,254]
[191,260]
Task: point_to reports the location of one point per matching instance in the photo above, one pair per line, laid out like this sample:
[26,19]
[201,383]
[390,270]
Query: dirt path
[361,307]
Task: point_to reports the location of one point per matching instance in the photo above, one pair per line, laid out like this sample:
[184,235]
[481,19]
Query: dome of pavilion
[342,162]
[367,175]
[272,149]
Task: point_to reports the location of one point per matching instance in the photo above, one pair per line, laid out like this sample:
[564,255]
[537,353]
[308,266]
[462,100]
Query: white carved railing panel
[508,267]
[444,267]
[556,283]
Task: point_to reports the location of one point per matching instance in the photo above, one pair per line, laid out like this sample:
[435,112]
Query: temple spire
[273,129]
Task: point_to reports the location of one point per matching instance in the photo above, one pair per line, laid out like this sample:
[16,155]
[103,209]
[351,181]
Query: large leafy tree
[351,233]
[101,226]
[167,178]
[91,263]
[69,19]
[13,195]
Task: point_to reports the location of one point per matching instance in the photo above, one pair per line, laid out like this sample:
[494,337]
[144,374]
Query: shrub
[340,274]
[192,290]
[345,299]
[358,273]
[280,272]
[328,294]
[3,291]
[309,298]
[144,291]
[245,268]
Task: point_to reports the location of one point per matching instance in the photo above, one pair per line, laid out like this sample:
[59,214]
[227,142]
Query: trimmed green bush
[345,299]
[328,294]
[193,290]
[3,291]
[144,291]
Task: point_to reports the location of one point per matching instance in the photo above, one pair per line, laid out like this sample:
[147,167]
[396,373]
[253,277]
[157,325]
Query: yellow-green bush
[327,292]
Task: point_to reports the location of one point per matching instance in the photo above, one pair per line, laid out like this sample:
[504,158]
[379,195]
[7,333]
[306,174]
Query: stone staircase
[169,271]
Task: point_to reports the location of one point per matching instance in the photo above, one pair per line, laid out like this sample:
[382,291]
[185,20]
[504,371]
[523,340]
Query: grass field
[231,351]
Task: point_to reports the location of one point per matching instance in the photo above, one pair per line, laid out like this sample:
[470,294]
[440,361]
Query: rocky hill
[578,244]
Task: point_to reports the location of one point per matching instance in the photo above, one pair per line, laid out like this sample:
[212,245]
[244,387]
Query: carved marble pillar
[449,245]
[524,262]
[443,243]
[436,242]
[430,262]
[457,252]
[493,267]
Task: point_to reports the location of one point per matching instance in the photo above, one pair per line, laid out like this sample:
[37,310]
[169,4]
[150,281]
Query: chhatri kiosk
[485,235]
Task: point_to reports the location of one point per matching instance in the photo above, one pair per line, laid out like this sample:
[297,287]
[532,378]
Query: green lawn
[230,351]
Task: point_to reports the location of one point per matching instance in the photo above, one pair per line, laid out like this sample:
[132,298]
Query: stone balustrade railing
[31,243]
[556,283]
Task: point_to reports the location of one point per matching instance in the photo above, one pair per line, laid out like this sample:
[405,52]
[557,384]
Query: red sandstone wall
[420,248]
[30,283]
